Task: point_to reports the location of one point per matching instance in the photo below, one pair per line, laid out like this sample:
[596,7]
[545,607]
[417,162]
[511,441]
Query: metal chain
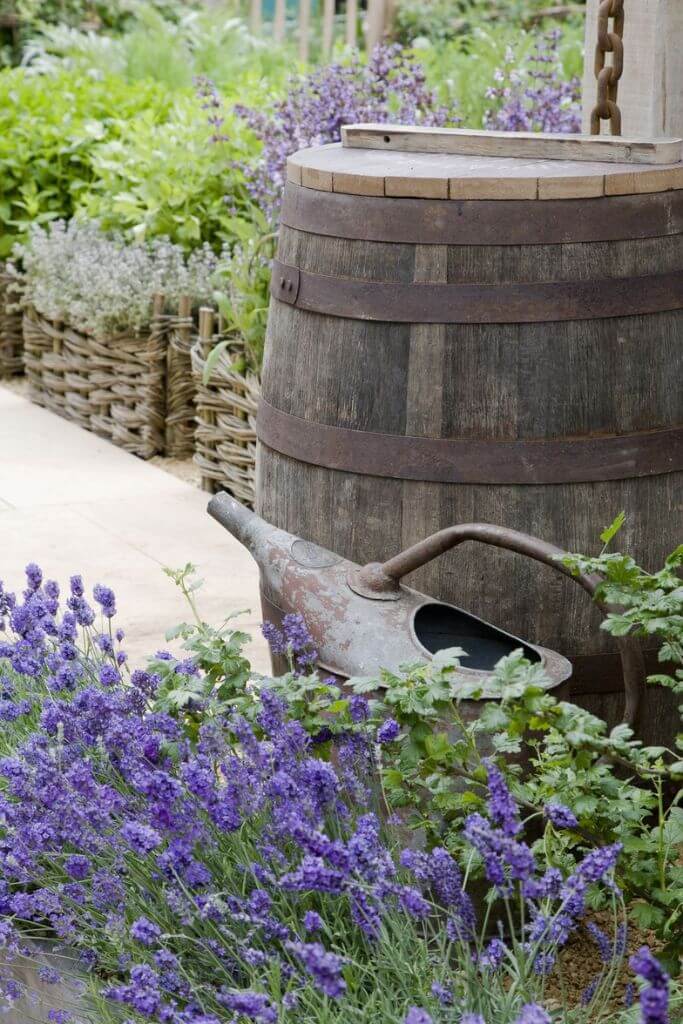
[608,75]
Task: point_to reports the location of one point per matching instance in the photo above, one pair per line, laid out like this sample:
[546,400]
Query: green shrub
[171,179]
[211,43]
[49,129]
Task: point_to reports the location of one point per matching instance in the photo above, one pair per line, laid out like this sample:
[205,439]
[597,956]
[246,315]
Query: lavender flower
[442,993]
[533,1014]
[602,941]
[417,1016]
[145,931]
[654,998]
[560,816]
[312,922]
[325,968]
[388,731]
[502,807]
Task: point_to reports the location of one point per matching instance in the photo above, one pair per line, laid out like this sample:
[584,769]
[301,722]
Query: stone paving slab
[75,503]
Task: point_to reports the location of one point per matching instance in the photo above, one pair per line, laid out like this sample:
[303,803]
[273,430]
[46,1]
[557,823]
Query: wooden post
[351,22]
[328,27]
[304,28]
[255,16]
[279,20]
[375,23]
[651,88]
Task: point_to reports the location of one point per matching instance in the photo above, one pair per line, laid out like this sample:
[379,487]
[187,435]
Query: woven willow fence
[11,343]
[114,386]
[226,402]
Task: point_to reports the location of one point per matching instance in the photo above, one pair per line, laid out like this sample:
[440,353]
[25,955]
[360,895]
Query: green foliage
[242,295]
[440,21]
[50,128]
[171,179]
[553,750]
[174,52]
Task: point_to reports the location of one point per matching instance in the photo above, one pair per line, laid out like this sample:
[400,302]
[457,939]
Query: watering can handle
[381,581]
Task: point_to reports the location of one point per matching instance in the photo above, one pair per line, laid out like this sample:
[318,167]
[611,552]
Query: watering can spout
[248,528]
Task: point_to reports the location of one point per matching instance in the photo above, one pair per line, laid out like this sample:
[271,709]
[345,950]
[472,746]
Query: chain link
[608,75]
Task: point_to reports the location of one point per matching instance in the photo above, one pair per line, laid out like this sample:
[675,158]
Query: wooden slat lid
[371,172]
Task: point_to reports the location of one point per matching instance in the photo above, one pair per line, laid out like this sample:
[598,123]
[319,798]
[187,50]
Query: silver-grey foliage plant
[97,282]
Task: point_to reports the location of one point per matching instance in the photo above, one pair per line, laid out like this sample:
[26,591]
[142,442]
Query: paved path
[74,503]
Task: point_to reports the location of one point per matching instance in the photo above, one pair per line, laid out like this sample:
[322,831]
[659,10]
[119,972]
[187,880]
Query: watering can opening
[439,626]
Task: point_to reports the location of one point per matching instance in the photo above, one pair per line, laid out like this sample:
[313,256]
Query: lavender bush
[390,86]
[243,878]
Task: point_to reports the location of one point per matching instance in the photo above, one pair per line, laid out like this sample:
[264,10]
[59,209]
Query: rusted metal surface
[425,303]
[353,635]
[481,221]
[455,460]
[608,75]
[382,582]
[363,619]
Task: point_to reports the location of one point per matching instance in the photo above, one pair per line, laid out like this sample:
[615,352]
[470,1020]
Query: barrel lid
[372,172]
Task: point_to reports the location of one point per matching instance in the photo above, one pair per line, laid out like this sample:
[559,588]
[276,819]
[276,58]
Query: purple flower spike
[388,731]
[417,1016]
[502,807]
[145,931]
[532,1013]
[560,816]
[325,968]
[654,998]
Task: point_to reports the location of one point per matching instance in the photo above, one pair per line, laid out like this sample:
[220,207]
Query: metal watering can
[363,619]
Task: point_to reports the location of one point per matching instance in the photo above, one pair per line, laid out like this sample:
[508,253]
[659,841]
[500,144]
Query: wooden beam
[517,145]
[651,88]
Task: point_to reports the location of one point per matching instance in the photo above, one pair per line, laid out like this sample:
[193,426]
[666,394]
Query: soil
[184,469]
[580,964]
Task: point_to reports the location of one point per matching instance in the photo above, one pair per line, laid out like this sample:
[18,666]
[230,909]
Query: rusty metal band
[525,303]
[481,221]
[461,461]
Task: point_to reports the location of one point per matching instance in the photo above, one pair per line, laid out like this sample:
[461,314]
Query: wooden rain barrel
[465,337]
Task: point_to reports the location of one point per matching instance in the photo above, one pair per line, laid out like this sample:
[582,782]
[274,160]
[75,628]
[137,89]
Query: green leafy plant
[551,749]
[170,179]
[50,128]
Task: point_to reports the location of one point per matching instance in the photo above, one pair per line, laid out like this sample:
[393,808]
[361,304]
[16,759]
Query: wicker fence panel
[225,439]
[180,387]
[11,344]
[113,386]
